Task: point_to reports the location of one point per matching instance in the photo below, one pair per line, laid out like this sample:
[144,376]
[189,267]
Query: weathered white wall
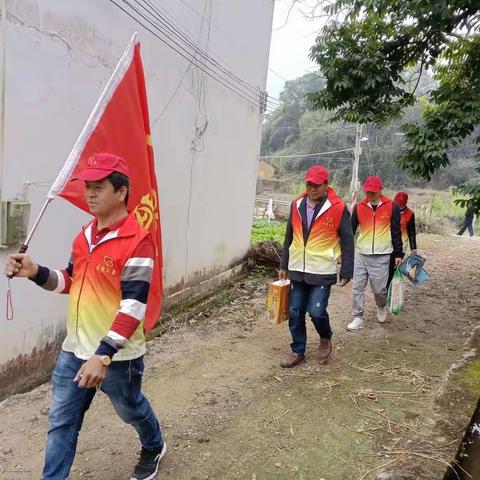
[59,55]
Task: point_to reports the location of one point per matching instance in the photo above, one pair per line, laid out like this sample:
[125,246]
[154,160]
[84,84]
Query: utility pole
[355,184]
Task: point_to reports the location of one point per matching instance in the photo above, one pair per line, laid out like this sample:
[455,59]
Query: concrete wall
[59,55]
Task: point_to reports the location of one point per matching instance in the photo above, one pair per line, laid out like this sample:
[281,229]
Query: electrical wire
[334,169]
[174,94]
[308,128]
[231,38]
[220,80]
[278,75]
[199,92]
[199,78]
[181,35]
[160,27]
[327,131]
[307,154]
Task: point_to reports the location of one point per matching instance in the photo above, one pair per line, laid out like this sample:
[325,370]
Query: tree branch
[294,2]
[419,76]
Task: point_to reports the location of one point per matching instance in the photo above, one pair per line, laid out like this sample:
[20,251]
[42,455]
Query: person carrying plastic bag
[377,220]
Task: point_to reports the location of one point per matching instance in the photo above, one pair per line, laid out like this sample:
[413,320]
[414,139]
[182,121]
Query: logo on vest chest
[327,222]
[108,266]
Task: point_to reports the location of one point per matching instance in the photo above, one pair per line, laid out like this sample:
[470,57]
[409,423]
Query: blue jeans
[122,385]
[314,300]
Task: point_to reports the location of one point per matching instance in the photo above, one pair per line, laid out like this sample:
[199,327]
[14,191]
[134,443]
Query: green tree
[283,125]
[366,53]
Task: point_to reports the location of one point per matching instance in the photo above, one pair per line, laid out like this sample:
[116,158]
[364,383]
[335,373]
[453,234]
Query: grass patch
[263,230]
[439,214]
[471,377]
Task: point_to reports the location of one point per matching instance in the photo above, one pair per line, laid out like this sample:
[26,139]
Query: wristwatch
[106,360]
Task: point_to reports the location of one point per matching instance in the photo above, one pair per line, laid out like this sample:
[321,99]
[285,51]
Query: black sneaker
[147,466]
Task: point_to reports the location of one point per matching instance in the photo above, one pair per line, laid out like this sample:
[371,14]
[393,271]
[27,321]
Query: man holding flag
[114,277]
[108,279]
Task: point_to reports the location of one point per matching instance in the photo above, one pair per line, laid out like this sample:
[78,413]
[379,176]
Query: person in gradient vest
[377,220]
[107,280]
[318,233]
[407,226]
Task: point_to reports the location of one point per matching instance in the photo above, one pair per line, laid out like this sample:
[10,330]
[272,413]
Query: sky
[290,46]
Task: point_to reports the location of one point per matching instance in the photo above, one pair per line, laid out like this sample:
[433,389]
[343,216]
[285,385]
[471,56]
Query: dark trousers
[467,224]
[314,300]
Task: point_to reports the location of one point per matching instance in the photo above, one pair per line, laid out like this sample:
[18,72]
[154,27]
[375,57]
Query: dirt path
[230,412]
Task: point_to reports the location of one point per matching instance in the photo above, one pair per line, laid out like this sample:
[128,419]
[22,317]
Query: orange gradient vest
[405,217]
[95,293]
[319,255]
[375,237]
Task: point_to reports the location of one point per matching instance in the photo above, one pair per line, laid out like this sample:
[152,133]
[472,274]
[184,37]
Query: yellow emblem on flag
[146,211]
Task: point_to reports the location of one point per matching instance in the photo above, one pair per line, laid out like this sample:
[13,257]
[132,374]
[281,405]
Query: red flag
[119,124]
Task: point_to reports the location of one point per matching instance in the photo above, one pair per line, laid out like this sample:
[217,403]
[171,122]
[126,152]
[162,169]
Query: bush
[428,224]
[440,215]
[296,189]
[446,208]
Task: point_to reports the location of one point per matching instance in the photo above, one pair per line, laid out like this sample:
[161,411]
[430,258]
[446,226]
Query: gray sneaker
[382,314]
[355,324]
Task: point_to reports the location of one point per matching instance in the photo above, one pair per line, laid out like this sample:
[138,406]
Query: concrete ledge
[196,292]
[27,371]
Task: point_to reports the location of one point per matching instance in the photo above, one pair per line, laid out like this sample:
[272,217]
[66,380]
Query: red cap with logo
[316,175]
[101,165]
[373,184]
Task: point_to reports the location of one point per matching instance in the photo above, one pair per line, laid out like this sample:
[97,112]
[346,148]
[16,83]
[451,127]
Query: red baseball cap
[401,199]
[373,184]
[101,165]
[317,175]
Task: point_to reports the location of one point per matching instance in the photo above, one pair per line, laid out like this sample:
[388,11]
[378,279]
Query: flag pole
[92,121]
[24,246]
[67,169]
[66,172]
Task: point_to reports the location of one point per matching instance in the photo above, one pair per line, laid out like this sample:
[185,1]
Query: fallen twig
[363,432]
[354,399]
[383,465]
[275,420]
[314,401]
[434,459]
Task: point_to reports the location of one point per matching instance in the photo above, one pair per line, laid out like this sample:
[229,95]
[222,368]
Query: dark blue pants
[122,385]
[467,224]
[314,300]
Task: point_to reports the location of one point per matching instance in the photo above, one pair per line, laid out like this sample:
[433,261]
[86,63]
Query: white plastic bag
[395,297]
